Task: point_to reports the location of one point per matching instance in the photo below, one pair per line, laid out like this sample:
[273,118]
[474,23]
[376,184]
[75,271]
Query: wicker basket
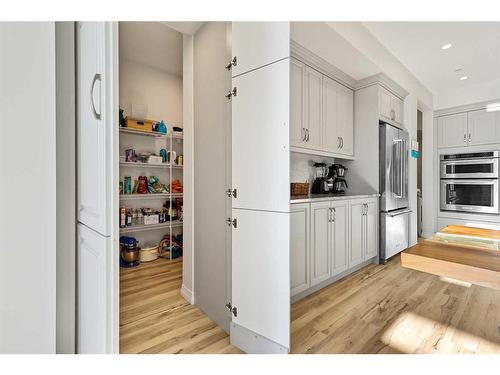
[299,188]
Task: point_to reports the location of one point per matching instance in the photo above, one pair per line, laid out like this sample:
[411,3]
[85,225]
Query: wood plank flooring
[379,309]
[155,318]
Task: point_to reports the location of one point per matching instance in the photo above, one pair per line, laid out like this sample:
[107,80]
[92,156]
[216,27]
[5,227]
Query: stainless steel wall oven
[469,182]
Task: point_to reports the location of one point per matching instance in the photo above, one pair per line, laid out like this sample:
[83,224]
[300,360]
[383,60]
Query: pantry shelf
[149,165]
[150,196]
[140,228]
[151,134]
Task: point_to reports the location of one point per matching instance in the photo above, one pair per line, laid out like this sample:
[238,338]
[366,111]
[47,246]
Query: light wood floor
[379,309]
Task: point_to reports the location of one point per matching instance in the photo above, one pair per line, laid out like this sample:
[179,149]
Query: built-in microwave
[470,195]
[469,165]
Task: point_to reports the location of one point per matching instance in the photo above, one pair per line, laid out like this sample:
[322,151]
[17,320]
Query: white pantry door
[261,176]
[97,128]
[93,189]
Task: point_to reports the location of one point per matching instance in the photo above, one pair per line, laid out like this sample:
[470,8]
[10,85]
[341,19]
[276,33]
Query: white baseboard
[253,343]
[187,294]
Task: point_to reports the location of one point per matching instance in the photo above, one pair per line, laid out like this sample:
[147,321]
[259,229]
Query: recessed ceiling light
[446,46]
[463,78]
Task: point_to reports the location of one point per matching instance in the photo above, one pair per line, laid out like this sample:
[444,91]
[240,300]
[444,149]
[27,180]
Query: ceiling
[153,44]
[475,50]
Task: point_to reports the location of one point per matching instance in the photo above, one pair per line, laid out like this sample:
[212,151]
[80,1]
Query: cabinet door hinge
[232,222]
[232,193]
[231,93]
[232,309]
[232,63]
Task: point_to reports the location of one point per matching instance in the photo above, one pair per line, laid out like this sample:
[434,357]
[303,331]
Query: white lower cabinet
[320,241]
[340,237]
[364,230]
[299,248]
[329,238]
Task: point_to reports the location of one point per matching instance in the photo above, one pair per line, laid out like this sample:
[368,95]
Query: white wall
[469,94]
[159,91]
[188,245]
[66,186]
[356,34]
[28,188]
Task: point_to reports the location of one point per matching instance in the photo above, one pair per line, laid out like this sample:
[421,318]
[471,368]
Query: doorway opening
[419,174]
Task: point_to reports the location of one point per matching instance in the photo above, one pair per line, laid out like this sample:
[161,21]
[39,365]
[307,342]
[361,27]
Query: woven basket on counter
[299,188]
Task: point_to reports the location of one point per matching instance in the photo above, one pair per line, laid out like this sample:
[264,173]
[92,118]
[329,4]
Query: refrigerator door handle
[404,168]
[397,186]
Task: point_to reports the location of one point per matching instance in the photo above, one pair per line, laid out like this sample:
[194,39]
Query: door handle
[97,77]
[469,137]
[307,135]
[333,214]
[341,142]
[465,137]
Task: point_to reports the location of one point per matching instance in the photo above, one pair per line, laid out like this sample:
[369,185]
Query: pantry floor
[155,318]
[378,309]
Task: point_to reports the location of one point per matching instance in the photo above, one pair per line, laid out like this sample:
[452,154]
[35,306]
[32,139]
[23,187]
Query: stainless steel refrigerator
[394,211]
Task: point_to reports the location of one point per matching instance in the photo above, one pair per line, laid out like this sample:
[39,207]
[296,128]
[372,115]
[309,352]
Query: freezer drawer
[394,233]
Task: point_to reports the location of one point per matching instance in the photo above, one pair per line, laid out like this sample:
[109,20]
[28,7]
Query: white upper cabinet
[483,127]
[260,139]
[468,129]
[314,83]
[345,119]
[297,104]
[255,44]
[299,248]
[385,104]
[322,115]
[452,130]
[331,140]
[390,107]
[93,127]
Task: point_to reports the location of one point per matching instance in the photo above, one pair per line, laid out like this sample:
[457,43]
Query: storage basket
[145,125]
[149,253]
[299,188]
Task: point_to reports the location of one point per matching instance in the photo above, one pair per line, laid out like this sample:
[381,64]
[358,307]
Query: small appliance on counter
[320,184]
[129,252]
[338,182]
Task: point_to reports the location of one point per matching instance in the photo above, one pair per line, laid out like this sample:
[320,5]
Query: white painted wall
[160,92]
[28,188]
[66,186]
[357,35]
[470,94]
[188,107]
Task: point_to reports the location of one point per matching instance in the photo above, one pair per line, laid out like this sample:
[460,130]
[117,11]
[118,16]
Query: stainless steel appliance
[469,165]
[320,184]
[394,211]
[469,182]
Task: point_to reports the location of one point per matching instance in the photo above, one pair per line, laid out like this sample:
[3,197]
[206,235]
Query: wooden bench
[473,264]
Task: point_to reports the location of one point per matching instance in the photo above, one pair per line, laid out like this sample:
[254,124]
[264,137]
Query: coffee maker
[320,185]
[339,184]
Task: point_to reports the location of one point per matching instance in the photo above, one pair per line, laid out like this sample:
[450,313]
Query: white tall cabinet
[260,302]
[97,127]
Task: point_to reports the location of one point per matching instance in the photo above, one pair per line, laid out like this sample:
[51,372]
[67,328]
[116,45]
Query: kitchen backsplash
[301,166]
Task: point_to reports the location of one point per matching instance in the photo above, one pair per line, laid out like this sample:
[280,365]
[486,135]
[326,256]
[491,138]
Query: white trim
[299,52]
[384,81]
[187,294]
[253,343]
[464,108]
